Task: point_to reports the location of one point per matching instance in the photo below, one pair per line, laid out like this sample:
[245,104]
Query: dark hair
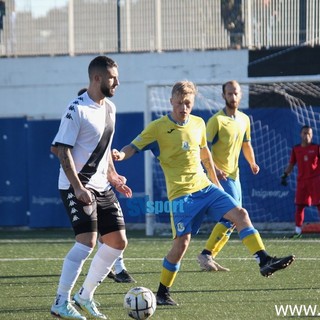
[82,91]
[100,64]
[232,82]
[305,127]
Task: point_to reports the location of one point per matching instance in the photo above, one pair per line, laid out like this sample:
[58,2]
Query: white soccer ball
[140,303]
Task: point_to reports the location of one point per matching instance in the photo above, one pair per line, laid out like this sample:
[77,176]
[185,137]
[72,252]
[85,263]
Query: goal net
[277,111]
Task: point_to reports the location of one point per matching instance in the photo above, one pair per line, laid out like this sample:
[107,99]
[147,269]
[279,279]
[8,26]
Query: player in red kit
[306,156]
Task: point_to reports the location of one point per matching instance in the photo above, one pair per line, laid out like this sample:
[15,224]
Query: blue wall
[29,172]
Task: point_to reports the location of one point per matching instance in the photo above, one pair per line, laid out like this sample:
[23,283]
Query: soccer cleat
[124,277]
[111,275]
[207,263]
[89,306]
[165,300]
[274,264]
[296,236]
[66,311]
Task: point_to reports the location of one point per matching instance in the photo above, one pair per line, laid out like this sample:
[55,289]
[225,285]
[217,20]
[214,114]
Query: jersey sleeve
[212,129]
[146,139]
[203,142]
[69,127]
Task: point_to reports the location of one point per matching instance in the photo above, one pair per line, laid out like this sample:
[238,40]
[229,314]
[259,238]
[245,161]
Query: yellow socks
[218,238]
[169,272]
[251,239]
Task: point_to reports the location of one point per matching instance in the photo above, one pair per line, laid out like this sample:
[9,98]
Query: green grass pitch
[30,264]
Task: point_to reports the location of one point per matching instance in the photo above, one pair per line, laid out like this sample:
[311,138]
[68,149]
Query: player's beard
[107,92]
[232,105]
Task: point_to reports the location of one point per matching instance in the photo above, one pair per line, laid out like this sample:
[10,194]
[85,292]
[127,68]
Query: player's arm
[125,153]
[289,168]
[249,156]
[286,173]
[68,166]
[117,181]
[208,164]
[54,150]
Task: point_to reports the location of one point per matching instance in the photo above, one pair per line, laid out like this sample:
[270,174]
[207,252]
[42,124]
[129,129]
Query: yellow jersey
[178,149]
[226,135]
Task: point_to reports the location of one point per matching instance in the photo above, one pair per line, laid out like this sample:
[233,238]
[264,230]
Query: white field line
[154,239]
[151,259]
[144,259]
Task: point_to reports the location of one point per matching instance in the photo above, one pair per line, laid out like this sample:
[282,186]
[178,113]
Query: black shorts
[104,215]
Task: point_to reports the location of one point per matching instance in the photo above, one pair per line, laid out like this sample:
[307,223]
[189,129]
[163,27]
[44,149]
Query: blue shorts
[210,201]
[233,188]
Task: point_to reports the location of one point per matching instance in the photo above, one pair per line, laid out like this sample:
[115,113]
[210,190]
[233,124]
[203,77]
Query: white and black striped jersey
[88,128]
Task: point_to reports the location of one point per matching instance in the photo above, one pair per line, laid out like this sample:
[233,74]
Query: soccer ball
[140,303]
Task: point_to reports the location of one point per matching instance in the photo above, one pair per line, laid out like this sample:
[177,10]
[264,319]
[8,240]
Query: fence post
[71,28]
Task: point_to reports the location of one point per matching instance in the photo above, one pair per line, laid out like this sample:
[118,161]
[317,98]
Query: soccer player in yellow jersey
[228,132]
[179,141]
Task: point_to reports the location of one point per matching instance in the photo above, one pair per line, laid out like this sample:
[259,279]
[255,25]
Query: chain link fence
[75,27]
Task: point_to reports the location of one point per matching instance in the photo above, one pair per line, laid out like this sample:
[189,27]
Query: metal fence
[108,26]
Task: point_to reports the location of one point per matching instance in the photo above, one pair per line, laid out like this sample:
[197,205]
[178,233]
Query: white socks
[119,263]
[71,270]
[101,265]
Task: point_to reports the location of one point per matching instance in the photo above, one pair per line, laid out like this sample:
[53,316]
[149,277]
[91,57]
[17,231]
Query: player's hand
[125,190]
[119,183]
[255,168]
[221,175]
[123,179]
[117,155]
[284,181]
[84,195]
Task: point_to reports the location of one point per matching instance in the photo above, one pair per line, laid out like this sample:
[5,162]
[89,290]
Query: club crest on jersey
[185,145]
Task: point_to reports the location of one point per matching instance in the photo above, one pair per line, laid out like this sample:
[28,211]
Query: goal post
[274,130]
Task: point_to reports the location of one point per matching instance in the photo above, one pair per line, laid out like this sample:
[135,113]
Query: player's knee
[119,244]
[124,243]
[238,216]
[243,213]
[88,239]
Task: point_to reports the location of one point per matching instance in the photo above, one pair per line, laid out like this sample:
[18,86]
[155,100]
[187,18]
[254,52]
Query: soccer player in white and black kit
[86,176]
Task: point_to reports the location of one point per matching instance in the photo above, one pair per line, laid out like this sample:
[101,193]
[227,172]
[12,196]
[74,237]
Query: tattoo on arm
[66,160]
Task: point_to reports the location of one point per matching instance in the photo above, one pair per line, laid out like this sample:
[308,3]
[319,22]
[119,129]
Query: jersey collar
[178,123]
[232,117]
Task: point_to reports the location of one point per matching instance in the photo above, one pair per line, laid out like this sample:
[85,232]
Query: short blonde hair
[183,88]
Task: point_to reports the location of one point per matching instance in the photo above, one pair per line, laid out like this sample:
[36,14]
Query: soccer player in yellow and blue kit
[178,140]
[228,132]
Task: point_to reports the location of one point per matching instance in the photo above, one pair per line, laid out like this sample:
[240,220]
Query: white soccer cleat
[66,311]
[88,306]
[207,263]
